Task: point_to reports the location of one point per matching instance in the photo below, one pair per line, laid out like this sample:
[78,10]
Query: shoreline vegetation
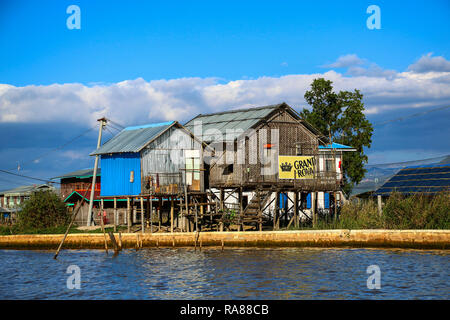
[417,211]
[413,221]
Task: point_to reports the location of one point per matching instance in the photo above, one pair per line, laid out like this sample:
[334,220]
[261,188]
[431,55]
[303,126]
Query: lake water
[182,273]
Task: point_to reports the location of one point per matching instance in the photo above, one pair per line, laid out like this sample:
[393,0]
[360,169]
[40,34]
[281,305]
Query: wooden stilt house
[264,151]
[160,162]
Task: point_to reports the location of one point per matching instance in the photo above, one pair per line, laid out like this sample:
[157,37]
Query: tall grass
[399,212]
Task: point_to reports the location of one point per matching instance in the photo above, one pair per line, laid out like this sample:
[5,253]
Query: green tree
[340,116]
[43,210]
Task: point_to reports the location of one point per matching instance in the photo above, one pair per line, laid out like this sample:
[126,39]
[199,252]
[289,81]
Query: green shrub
[43,210]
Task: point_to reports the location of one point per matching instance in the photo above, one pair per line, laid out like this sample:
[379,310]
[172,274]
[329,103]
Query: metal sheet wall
[116,170]
[166,156]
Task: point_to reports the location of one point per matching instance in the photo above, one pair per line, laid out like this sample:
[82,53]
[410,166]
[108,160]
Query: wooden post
[115,214]
[196,218]
[275,213]
[142,215]
[113,241]
[201,212]
[296,209]
[380,209]
[171,214]
[181,220]
[159,213]
[151,214]
[241,210]
[259,212]
[222,198]
[128,216]
[335,207]
[186,205]
[314,208]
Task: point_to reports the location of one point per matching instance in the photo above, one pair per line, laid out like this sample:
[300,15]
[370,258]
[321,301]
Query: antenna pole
[94,175]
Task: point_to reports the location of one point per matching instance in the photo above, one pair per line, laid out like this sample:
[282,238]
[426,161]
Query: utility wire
[115,123]
[28,177]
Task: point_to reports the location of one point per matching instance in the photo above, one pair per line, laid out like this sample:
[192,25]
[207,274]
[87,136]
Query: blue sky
[228,39]
[146,61]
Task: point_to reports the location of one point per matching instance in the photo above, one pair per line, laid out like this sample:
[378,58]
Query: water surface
[182,273]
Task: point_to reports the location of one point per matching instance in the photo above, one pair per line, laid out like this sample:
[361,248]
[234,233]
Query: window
[192,166]
[329,165]
[298,149]
[228,169]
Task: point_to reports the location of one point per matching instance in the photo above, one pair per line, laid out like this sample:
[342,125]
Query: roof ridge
[149,125]
[239,110]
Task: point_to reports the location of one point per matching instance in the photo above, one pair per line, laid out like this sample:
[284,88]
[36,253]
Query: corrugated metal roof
[84,173]
[26,189]
[133,139]
[239,119]
[418,179]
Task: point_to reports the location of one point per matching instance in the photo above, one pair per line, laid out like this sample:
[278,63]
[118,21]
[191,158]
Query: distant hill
[446,160]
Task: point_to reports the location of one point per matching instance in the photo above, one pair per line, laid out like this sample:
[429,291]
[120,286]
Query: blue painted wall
[326,200]
[283,200]
[116,170]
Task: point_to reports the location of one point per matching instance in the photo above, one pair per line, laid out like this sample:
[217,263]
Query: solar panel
[424,179]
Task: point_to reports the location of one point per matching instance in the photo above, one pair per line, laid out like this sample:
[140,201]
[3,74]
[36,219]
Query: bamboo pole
[70,224]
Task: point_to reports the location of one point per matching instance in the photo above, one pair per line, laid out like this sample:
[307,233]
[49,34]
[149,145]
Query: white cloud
[428,63]
[345,61]
[138,101]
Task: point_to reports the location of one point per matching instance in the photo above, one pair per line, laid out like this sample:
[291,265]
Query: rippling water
[182,273]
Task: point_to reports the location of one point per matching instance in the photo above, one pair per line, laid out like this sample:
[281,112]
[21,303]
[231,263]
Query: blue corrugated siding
[283,200]
[308,201]
[326,200]
[116,170]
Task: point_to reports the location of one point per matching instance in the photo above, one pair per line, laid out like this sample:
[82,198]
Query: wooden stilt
[275,213]
[181,221]
[159,213]
[171,214]
[151,214]
[115,214]
[128,216]
[296,209]
[241,210]
[196,218]
[222,198]
[259,212]
[314,208]
[201,212]
[142,215]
